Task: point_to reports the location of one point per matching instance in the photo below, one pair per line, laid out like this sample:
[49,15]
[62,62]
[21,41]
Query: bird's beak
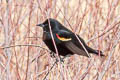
[41,25]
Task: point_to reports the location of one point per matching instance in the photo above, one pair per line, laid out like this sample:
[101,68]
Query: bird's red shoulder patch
[63,38]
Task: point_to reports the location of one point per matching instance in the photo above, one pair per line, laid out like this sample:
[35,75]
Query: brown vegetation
[24,56]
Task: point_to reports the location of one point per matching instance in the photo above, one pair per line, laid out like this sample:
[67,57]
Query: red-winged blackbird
[66,41]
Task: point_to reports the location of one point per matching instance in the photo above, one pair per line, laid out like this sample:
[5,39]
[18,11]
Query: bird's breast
[44,36]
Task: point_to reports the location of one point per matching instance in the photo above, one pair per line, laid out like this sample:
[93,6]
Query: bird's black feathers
[66,41]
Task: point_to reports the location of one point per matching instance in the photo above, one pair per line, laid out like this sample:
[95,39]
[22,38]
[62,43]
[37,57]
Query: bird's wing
[75,49]
[64,36]
[71,42]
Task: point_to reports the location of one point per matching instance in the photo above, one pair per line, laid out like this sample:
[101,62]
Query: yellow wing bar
[62,38]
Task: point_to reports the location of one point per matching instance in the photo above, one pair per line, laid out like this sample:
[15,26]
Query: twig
[19,45]
[111,28]
[50,69]
[100,77]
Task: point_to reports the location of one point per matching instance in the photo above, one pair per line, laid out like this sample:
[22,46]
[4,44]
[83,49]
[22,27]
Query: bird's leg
[52,54]
[62,59]
[67,56]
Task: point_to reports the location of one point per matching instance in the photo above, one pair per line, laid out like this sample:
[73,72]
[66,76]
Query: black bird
[66,41]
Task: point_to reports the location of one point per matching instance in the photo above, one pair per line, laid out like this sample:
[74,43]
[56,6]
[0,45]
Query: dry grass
[24,56]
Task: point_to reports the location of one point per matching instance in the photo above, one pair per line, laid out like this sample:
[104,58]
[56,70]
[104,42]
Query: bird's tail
[97,52]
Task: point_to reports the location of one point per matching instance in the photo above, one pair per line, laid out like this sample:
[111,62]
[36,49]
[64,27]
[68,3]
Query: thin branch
[100,77]
[118,23]
[50,69]
[19,45]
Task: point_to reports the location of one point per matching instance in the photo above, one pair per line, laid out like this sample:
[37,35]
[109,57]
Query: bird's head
[54,24]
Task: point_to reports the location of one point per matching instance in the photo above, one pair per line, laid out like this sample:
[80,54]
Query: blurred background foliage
[24,56]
